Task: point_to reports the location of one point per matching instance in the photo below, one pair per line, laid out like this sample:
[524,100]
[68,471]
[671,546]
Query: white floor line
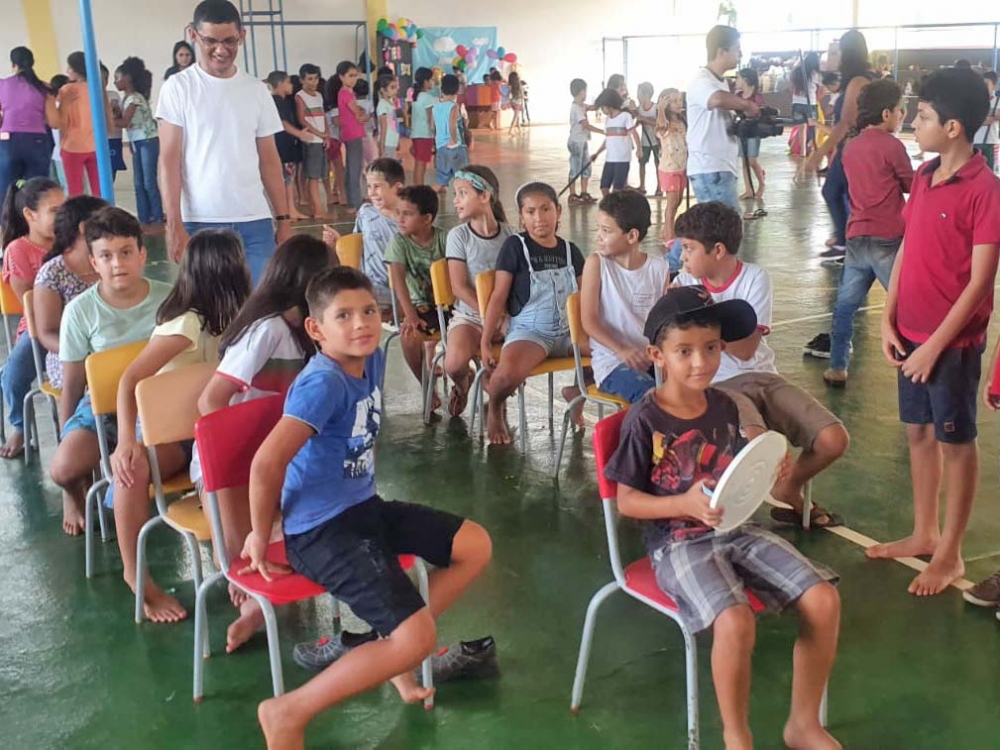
[819,316]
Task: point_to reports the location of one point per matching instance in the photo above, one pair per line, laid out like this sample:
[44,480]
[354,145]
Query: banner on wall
[438,48]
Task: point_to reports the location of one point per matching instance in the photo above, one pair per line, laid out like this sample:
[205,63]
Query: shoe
[834,251]
[986,593]
[818,347]
[465,660]
[324,652]
[835,378]
[833,262]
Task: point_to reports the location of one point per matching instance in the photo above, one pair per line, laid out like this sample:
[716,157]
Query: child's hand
[254,551]
[412,326]
[637,359]
[919,366]
[696,504]
[124,460]
[486,354]
[892,346]
[330,236]
[992,401]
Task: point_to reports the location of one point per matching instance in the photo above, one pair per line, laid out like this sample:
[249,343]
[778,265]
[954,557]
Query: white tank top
[626,299]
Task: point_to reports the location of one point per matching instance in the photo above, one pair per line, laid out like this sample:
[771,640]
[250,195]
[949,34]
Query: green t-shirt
[418,262]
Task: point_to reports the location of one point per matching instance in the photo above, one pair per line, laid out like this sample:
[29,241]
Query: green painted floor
[76,672]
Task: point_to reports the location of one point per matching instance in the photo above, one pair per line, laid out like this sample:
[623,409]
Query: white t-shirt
[815,81]
[314,114]
[710,147]
[752,284]
[222,119]
[202,345]
[578,132]
[619,140]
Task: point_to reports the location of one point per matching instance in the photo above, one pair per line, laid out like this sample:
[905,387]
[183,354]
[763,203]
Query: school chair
[42,387]
[104,370]
[12,309]
[227,441]
[168,410]
[589,393]
[639,581]
[444,298]
[350,248]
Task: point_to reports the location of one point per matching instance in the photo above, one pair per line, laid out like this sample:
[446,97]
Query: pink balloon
[461,50]
[510,57]
[492,54]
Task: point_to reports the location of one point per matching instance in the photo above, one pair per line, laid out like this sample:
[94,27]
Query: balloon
[461,50]
[382,25]
[501,52]
[510,57]
[491,54]
[401,22]
[460,65]
[470,59]
[420,33]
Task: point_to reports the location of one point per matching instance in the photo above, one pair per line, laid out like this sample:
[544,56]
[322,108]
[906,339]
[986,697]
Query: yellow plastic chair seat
[175,485]
[593,390]
[188,515]
[50,390]
[557,364]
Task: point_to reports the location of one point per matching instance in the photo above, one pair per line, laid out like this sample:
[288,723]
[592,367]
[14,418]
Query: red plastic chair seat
[640,578]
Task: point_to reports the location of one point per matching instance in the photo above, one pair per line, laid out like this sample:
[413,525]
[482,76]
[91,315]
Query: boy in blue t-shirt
[449,133]
[320,461]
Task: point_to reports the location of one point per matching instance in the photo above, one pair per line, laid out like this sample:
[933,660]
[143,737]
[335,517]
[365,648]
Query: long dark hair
[283,286]
[853,56]
[21,195]
[490,177]
[23,58]
[535,188]
[77,62]
[142,79]
[514,81]
[334,85]
[69,217]
[174,68]
[214,281]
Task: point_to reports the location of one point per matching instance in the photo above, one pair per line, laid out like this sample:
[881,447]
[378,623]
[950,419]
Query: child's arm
[453,126]
[74,384]
[292,130]
[694,504]
[760,297]
[125,121]
[383,127]
[430,121]
[411,322]
[359,113]
[494,314]
[217,394]
[300,112]
[892,345]
[595,326]
[48,313]
[458,274]
[635,138]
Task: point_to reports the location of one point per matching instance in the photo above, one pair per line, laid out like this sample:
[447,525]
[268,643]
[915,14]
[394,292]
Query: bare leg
[672,203]
[831,443]
[75,459]
[584,183]
[339,177]
[413,353]
[759,173]
[517,359]
[463,346]
[747,190]
[234,510]
[734,633]
[293,210]
[315,207]
[642,177]
[419,170]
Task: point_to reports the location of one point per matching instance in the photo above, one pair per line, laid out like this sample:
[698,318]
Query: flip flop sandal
[457,401]
[576,200]
[792,517]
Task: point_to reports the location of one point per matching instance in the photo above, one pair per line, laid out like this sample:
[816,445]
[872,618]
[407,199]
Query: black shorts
[615,175]
[430,316]
[354,556]
[648,151]
[949,399]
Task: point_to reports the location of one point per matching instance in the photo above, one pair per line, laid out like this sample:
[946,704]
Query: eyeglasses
[230,43]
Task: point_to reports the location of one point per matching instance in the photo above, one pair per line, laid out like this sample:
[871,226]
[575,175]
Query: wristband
[283,217]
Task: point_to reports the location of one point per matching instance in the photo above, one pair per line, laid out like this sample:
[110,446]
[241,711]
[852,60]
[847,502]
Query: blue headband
[476,180]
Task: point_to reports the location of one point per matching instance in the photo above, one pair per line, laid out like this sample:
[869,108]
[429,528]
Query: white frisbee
[747,481]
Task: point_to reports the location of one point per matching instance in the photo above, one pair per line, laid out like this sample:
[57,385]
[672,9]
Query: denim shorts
[715,186]
[802,113]
[950,398]
[627,383]
[83,418]
[752,149]
[354,556]
[447,161]
[554,346]
[579,160]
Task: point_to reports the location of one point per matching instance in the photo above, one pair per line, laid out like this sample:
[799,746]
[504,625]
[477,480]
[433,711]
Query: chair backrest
[228,439]
[10,303]
[350,248]
[576,333]
[484,290]
[441,284]
[606,434]
[36,349]
[29,312]
[104,370]
[168,403]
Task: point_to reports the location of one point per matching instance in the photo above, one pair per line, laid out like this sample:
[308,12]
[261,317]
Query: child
[114,116]
[376,221]
[135,81]
[496,98]
[620,133]
[28,219]
[472,248]
[449,133]
[212,284]
[120,309]
[334,148]
[748,87]
[409,257]
[516,101]
[288,141]
[710,235]
[706,572]
[388,121]
[671,129]
[646,115]
[76,130]
[579,143]
[878,173]
[422,123]
[319,462]
[934,325]
[57,172]
[620,285]
[535,274]
[352,129]
[369,146]
[309,112]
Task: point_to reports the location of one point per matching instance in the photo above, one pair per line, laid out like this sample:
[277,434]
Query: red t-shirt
[22,259]
[943,224]
[878,173]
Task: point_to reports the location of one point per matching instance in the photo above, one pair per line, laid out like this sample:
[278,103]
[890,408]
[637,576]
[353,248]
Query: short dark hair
[308,69]
[629,209]
[216,11]
[609,98]
[698,319]
[449,85]
[77,62]
[331,282]
[720,37]
[276,77]
[875,98]
[361,89]
[711,224]
[957,94]
[990,75]
[423,197]
[111,222]
[391,169]
[831,78]
[750,76]
[576,86]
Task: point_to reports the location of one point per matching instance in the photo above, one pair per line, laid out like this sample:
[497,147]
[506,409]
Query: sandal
[760,213]
[819,518]
[576,200]
[588,198]
[457,401]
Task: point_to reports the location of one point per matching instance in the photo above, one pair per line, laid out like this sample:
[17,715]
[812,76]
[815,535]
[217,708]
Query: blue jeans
[837,201]
[23,156]
[257,236]
[628,384]
[16,378]
[448,161]
[868,258]
[716,186]
[147,195]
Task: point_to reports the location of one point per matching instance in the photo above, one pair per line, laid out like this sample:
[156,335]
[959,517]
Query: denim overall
[544,320]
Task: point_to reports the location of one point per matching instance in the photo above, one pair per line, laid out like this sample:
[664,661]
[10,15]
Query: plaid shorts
[710,573]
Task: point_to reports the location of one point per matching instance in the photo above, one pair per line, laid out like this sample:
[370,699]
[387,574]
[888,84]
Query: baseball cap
[736,316]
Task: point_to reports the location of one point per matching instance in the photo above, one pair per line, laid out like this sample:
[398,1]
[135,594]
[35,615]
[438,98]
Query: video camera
[766,125]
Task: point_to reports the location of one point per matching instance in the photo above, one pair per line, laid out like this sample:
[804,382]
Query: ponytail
[21,195]
[23,58]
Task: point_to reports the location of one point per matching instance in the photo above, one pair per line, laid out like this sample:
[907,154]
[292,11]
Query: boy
[119,309]
[710,235]
[619,287]
[449,133]
[579,143]
[706,572]
[309,109]
[409,257]
[376,221]
[934,325]
[646,115]
[878,173]
[287,141]
[620,134]
[319,462]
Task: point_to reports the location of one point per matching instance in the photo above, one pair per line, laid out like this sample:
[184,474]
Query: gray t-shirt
[478,253]
[377,231]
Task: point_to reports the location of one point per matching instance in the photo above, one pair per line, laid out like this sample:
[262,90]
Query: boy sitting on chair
[319,461]
[678,439]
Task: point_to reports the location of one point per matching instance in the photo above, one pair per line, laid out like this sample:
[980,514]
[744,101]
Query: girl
[671,129]
[135,82]
[388,122]
[516,101]
[334,149]
[536,272]
[617,83]
[211,286]
[262,350]
[806,80]
[352,129]
[472,248]
[496,98]
[748,87]
[421,123]
[29,213]
[76,133]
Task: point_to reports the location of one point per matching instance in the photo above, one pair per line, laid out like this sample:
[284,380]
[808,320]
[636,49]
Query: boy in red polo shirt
[934,325]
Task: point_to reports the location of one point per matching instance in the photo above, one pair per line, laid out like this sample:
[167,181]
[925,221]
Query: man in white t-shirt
[710,235]
[219,165]
[712,151]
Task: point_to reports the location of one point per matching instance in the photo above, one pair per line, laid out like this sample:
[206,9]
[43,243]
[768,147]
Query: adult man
[217,150]
[712,151]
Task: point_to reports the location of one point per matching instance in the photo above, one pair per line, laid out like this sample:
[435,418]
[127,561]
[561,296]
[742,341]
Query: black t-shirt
[289,149]
[511,259]
[662,455]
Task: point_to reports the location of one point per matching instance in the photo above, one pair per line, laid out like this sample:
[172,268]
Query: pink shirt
[350,128]
[23,106]
[22,259]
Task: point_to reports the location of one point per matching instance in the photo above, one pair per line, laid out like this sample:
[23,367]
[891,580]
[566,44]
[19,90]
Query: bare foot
[73,518]
[908,547]
[937,576]
[569,393]
[746,196]
[760,190]
[14,447]
[435,401]
[159,606]
[280,731]
[408,688]
[496,427]
[251,620]
[737,739]
[810,737]
[297,215]
[237,596]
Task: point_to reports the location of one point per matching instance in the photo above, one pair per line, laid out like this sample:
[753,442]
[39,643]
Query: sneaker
[324,652]
[986,593]
[465,660]
[835,378]
[833,262]
[819,346]
[834,251]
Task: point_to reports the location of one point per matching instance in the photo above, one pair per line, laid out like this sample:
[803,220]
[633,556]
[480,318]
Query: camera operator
[712,152]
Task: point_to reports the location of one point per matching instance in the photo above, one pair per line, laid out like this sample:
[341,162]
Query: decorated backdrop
[439,47]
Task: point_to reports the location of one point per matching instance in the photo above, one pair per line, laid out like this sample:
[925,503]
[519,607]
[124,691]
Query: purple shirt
[23,106]
[350,128]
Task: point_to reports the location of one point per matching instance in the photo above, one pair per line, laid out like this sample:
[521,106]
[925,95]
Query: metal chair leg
[552,397]
[195,550]
[92,500]
[523,417]
[30,428]
[807,505]
[691,678]
[588,636]
[273,645]
[54,410]
[477,400]
[426,668]
[140,565]
[201,644]
[567,417]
